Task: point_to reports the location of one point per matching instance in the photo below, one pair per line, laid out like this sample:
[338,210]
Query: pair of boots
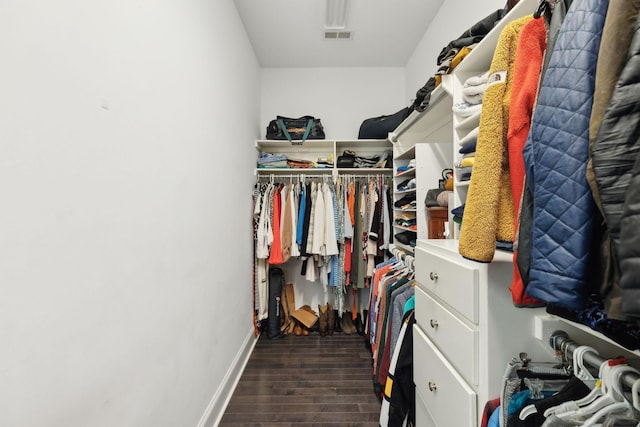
[300,329]
[346,324]
[326,319]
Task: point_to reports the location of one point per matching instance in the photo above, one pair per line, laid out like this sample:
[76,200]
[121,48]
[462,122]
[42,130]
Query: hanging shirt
[301,214]
[275,256]
[264,237]
[348,222]
[293,199]
[319,212]
[330,237]
[286,222]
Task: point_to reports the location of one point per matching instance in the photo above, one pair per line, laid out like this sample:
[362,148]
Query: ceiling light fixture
[336,18]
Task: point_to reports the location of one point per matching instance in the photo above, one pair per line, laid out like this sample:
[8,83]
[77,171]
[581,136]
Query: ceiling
[290,33]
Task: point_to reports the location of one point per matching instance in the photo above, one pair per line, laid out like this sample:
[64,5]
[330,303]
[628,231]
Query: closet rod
[560,341]
[288,176]
[364,175]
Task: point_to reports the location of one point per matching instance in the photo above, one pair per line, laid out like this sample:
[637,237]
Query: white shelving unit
[403,160]
[425,137]
[312,150]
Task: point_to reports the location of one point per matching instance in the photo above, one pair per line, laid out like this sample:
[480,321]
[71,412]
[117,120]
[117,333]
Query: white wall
[341,97]
[125,175]
[448,24]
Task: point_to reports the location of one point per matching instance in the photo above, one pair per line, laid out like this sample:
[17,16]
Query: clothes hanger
[581,372]
[635,396]
[612,388]
[542,8]
[573,405]
[579,369]
[622,405]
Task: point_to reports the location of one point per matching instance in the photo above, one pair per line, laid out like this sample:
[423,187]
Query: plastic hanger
[622,405]
[579,370]
[574,405]
[612,388]
[635,389]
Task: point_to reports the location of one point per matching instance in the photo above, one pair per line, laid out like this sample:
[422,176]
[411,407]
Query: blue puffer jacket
[556,155]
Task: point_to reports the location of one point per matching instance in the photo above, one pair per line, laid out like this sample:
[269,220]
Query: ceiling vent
[337,35]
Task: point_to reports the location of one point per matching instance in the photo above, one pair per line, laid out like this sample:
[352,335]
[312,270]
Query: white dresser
[466,331]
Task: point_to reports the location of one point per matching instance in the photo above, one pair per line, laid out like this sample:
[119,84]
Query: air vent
[337,35]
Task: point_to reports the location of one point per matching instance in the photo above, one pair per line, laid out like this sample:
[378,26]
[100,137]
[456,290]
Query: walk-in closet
[321,212]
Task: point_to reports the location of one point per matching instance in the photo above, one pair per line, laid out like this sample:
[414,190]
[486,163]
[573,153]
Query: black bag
[301,129]
[347,159]
[379,127]
[423,95]
[276,282]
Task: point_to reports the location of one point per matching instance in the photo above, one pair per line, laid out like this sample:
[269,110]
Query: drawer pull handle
[432,386]
[433,323]
[433,276]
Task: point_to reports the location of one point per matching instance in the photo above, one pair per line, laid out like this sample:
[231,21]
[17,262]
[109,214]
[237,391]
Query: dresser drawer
[449,400]
[456,340]
[423,417]
[455,282]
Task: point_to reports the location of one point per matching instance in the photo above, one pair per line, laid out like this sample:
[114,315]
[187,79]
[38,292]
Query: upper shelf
[432,125]
[479,59]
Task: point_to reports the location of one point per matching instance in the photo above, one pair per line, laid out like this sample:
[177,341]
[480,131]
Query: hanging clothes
[324,224]
[392,287]
[614,138]
[488,212]
[526,74]
[563,214]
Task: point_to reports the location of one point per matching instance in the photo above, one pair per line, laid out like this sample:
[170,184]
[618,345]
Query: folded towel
[474,94]
[473,89]
[477,80]
[464,109]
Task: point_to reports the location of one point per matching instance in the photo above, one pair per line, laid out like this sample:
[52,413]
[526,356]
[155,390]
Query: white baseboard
[213,414]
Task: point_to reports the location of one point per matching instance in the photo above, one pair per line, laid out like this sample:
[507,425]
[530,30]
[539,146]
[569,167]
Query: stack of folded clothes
[458,213]
[366,162]
[472,94]
[406,237]
[411,165]
[406,202]
[473,89]
[299,164]
[407,220]
[324,162]
[268,160]
[407,184]
[468,151]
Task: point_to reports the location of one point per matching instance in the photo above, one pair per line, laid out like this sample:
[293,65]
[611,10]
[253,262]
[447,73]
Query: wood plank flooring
[306,381]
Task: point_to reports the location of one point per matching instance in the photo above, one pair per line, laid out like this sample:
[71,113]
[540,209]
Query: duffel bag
[295,131]
[379,127]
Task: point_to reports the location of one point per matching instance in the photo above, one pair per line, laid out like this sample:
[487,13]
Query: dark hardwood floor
[306,381]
